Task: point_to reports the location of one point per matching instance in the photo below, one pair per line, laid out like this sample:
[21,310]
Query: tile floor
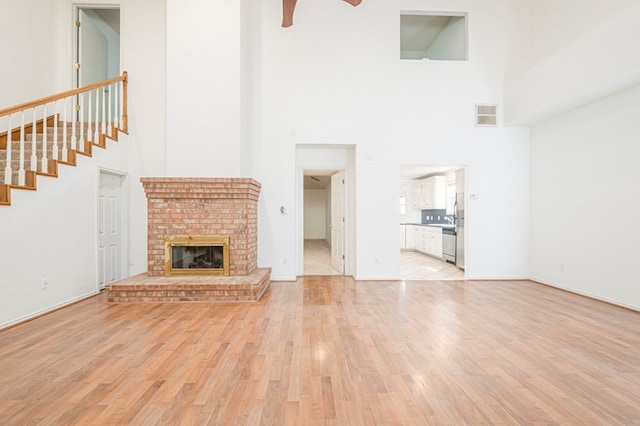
[317,258]
[413,265]
[418,266]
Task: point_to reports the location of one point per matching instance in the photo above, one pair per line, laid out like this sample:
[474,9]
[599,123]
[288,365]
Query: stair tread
[30,176]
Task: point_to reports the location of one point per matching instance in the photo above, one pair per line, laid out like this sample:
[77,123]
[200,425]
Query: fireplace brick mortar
[203,206]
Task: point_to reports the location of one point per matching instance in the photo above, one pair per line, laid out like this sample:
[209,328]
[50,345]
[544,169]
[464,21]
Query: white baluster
[116,107]
[54,153]
[110,113]
[7,169]
[34,146]
[21,175]
[104,111]
[45,161]
[89,131]
[65,152]
[96,139]
[74,114]
[81,123]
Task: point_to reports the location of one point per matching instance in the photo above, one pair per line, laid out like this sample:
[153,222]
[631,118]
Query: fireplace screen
[197,255]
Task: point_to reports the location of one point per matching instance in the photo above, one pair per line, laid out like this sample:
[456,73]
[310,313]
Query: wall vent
[486,115]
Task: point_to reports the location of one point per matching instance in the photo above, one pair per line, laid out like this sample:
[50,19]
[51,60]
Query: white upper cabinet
[433,193]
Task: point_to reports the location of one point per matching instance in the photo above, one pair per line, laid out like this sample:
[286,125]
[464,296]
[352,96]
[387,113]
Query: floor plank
[328,350]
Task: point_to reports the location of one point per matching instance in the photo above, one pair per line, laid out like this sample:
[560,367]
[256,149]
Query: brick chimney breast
[203,207]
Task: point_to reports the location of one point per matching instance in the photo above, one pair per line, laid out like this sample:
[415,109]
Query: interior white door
[337,221]
[109,229]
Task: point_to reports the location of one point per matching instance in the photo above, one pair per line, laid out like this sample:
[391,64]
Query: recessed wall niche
[435,36]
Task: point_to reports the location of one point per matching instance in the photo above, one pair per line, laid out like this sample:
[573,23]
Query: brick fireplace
[192,209]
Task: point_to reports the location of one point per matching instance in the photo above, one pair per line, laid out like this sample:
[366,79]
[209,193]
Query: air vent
[486,115]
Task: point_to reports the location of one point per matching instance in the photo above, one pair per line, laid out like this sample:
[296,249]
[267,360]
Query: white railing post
[89,130]
[21,174]
[65,152]
[45,161]
[81,122]
[110,113]
[54,152]
[7,168]
[96,138]
[104,110]
[116,107]
[74,113]
[34,143]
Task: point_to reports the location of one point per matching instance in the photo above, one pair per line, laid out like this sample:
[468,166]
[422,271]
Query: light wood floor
[328,350]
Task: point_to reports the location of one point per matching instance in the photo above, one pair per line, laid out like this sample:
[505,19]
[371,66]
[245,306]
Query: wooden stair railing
[53,130]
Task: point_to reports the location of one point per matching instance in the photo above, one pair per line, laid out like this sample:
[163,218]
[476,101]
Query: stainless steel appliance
[449,245]
[459,229]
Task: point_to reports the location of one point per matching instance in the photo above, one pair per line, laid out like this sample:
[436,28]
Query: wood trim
[28,129]
[125,102]
[5,195]
[68,93]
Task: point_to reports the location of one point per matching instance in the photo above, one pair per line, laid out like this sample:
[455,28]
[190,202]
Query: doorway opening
[432,222]
[337,163]
[97,43]
[323,232]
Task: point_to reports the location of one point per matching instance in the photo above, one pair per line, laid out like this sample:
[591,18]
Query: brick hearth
[199,207]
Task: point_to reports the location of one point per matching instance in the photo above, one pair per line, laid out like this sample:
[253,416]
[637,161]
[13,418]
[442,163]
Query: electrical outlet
[562,267]
[45,283]
[285,260]
[376,260]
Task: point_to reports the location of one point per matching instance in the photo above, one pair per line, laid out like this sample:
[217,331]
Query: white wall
[38,224]
[602,60]
[25,28]
[557,24]
[330,79]
[52,233]
[585,192]
[203,88]
[315,214]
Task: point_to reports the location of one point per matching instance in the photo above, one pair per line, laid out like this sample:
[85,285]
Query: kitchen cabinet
[424,239]
[403,237]
[433,238]
[414,196]
[412,236]
[430,241]
[433,193]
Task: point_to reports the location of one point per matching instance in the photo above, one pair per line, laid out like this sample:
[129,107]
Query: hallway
[317,258]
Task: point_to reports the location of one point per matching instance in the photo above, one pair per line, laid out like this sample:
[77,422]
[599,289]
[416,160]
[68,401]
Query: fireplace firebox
[197,255]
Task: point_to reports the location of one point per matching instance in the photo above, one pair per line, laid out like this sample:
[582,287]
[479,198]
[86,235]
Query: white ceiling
[318,179]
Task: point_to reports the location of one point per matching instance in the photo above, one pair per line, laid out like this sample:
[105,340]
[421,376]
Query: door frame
[124,221]
[328,161]
[75,8]
[339,175]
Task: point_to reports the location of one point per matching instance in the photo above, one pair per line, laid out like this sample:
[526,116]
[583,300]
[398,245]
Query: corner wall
[585,195]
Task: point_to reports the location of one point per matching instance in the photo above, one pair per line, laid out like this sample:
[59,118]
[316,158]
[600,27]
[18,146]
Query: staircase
[38,147]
